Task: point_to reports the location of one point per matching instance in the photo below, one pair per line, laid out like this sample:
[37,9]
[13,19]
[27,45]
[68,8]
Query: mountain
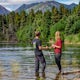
[25,6]
[71,6]
[43,6]
[3,10]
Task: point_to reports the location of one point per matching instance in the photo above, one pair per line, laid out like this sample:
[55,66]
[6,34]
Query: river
[17,63]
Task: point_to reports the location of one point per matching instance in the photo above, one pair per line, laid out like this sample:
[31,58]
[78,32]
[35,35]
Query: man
[39,57]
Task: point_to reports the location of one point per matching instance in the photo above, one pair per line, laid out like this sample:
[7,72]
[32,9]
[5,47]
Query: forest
[20,27]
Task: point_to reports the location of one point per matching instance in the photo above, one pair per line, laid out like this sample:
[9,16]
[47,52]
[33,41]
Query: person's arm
[40,46]
[59,45]
[55,46]
[43,48]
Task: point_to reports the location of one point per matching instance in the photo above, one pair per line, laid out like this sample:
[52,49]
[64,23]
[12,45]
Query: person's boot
[43,74]
[37,74]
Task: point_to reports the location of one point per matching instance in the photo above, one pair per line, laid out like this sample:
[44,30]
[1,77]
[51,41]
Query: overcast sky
[13,4]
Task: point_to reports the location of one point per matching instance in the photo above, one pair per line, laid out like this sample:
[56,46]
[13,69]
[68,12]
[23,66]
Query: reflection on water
[17,63]
[1,70]
[59,77]
[15,69]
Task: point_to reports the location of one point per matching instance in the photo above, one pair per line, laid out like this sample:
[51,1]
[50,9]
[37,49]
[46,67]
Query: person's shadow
[58,75]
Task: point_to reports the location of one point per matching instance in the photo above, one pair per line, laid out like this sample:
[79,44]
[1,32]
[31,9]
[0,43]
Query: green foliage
[30,17]
[47,23]
[70,22]
[23,18]
[76,27]
[76,10]
[60,26]
[79,36]
[0,23]
[63,11]
[17,21]
[74,38]
[23,25]
[25,34]
[55,15]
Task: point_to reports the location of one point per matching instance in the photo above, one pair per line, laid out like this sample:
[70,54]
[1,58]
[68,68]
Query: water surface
[17,63]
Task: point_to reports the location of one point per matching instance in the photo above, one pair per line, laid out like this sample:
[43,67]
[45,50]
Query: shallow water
[17,63]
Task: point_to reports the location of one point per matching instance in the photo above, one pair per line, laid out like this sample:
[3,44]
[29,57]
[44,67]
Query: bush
[69,29]
[76,27]
[60,26]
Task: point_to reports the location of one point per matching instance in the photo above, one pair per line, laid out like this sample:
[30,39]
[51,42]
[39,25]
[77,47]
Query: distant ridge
[25,6]
[43,6]
[3,10]
[71,6]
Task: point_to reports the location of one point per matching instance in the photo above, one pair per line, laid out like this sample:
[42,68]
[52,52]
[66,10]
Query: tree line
[21,26]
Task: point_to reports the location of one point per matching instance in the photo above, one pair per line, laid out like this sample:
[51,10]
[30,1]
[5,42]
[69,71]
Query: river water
[17,63]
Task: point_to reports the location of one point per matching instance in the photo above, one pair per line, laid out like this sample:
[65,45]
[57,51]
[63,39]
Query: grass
[72,39]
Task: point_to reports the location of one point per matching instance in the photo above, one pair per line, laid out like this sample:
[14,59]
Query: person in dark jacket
[39,57]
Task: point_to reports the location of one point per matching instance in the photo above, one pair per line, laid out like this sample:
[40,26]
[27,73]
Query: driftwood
[71,72]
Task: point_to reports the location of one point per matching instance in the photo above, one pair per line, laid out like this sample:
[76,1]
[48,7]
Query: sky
[14,4]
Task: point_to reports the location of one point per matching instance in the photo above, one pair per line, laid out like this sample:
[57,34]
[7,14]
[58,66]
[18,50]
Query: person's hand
[50,47]
[53,45]
[47,47]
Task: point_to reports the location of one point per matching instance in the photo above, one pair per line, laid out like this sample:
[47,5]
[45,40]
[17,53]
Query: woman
[58,49]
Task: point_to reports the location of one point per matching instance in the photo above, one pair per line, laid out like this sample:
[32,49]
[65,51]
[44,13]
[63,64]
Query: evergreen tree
[55,15]
[30,17]
[0,23]
[17,21]
[63,11]
[47,23]
[69,24]
[38,19]
[11,19]
[23,18]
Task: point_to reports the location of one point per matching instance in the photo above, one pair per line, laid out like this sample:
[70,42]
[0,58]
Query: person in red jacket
[57,49]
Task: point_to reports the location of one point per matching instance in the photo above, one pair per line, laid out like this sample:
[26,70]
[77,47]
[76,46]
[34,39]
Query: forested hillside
[21,26]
